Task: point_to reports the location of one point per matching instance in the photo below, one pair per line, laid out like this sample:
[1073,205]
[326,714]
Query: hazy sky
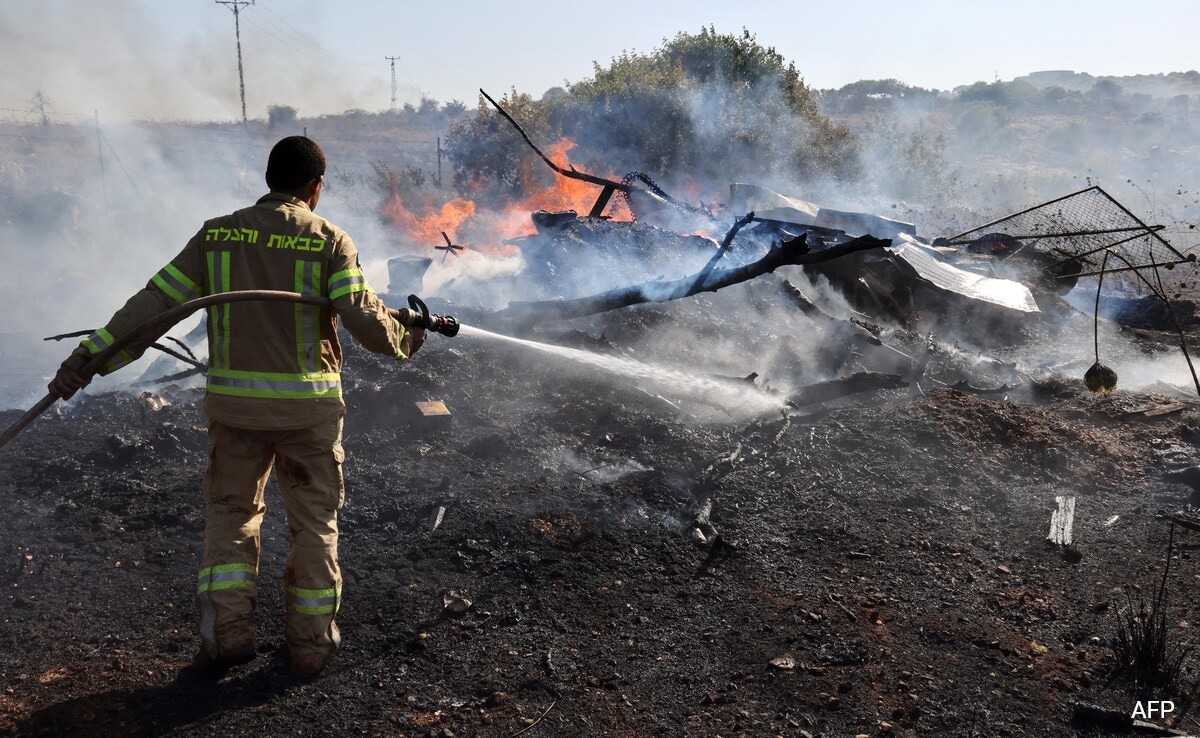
[176,58]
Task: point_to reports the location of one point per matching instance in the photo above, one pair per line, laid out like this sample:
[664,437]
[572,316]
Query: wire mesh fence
[1075,232]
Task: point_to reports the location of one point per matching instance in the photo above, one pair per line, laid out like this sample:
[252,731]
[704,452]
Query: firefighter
[274,399]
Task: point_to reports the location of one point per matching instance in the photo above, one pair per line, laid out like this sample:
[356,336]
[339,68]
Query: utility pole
[393,59]
[100,151]
[236,6]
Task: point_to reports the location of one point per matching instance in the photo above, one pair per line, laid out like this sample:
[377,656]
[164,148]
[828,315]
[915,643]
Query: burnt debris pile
[762,468]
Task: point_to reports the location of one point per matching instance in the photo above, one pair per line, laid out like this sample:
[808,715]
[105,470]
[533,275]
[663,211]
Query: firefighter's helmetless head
[296,167]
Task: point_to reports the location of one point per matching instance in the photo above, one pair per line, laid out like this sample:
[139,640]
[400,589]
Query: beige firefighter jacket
[271,365]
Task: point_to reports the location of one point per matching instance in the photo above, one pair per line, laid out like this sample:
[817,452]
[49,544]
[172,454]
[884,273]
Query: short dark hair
[294,162]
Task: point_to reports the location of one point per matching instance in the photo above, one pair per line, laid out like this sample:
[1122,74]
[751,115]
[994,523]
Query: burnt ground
[881,566]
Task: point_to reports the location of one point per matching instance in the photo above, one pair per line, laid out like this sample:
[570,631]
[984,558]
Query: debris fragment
[1100,379]
[1173,407]
[930,266]
[455,605]
[812,394]
[771,206]
[434,413]
[1062,521]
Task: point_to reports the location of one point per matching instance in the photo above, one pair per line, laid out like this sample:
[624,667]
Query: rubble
[637,565]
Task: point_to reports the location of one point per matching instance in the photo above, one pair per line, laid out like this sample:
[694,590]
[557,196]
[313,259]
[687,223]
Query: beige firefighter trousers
[308,466]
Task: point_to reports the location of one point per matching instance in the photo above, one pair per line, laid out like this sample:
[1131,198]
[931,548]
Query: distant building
[1065,78]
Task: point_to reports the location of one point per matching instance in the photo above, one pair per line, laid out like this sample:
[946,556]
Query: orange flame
[429,228]
[489,229]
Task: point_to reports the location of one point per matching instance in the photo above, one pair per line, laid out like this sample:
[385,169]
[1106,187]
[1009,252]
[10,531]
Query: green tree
[281,116]
[706,106]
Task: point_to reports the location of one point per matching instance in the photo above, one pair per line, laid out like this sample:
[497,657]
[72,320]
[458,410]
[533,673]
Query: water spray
[712,391]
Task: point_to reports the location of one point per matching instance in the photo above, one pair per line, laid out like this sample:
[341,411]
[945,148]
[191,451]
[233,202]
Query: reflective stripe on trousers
[226,576]
[314,601]
[217,578]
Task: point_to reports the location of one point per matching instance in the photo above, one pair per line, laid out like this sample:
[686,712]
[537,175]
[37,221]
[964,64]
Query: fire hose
[417,315]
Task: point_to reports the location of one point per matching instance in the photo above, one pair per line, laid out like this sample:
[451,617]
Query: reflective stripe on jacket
[272,365]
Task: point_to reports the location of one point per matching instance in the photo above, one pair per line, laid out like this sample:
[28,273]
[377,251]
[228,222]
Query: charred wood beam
[601,202]
[784,254]
[812,394]
[857,332]
[179,375]
[807,306]
[964,386]
[726,242]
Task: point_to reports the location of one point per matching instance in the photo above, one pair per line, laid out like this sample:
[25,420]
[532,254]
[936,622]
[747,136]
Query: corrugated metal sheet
[770,205]
[930,266]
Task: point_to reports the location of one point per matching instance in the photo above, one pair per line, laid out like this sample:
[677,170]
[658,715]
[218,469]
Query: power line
[393,59]
[236,6]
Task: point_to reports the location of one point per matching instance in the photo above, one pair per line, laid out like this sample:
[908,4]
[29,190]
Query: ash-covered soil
[875,565]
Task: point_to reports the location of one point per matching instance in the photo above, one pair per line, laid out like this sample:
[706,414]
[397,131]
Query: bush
[1142,646]
[706,106]
[281,116]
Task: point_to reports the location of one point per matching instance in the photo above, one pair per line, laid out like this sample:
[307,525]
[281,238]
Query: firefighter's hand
[417,338]
[67,382]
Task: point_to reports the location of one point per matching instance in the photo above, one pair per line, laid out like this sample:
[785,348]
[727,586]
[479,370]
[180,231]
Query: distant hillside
[1154,85]
[992,146]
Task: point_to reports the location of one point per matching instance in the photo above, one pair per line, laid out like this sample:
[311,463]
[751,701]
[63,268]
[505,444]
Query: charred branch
[571,172]
[189,359]
[784,254]
[608,186]
[857,333]
[813,394]
[726,242]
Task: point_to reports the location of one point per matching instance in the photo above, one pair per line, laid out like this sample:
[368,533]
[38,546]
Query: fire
[429,228]
[486,230]
[564,193]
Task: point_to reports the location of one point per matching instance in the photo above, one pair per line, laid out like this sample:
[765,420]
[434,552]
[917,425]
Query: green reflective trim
[226,584]
[302,592]
[177,285]
[279,376]
[223,568]
[276,385]
[307,279]
[226,286]
[347,281]
[226,576]
[343,274]
[123,358]
[98,341]
[218,315]
[314,601]
[321,610]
